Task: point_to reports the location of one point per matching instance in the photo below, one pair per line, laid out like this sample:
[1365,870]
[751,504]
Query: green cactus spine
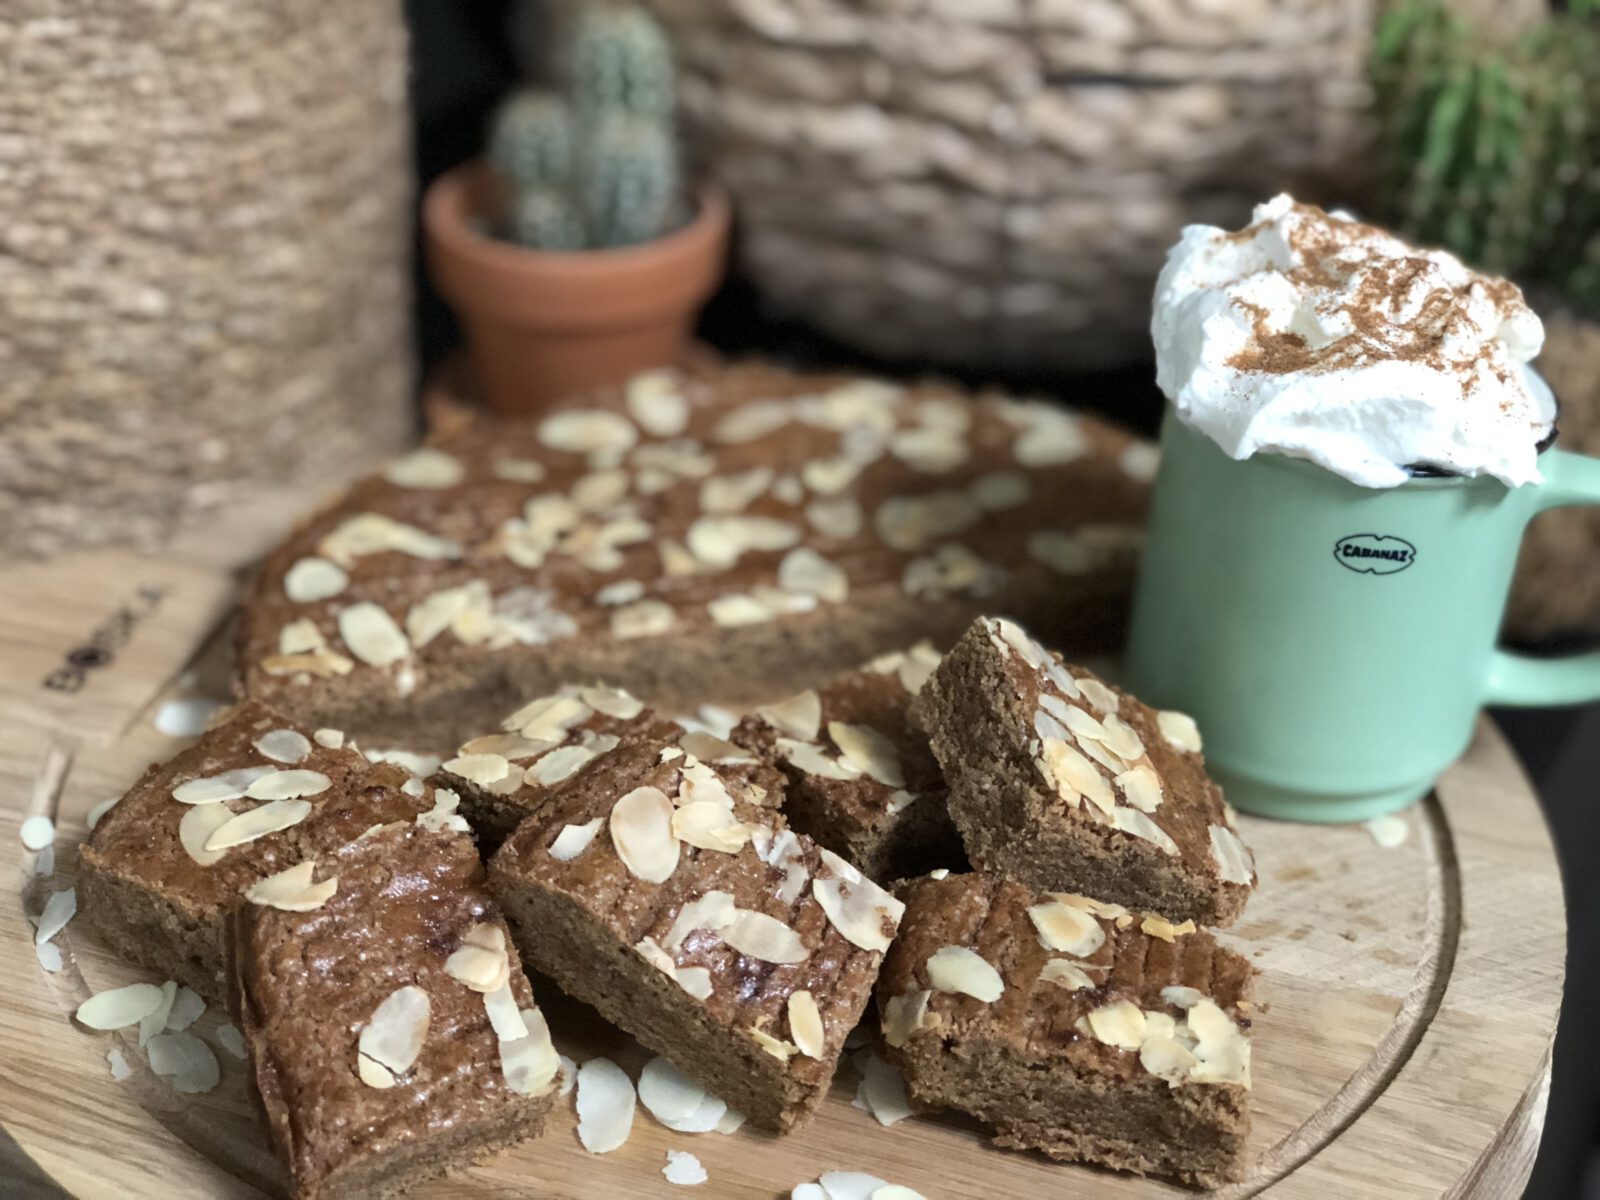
[630,181]
[546,219]
[620,61]
[530,143]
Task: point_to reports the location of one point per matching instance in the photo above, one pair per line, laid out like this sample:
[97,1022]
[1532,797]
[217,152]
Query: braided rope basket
[204,265]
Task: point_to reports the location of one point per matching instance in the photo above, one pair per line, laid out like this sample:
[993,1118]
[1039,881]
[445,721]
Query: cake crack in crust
[1062,781]
[1132,1054]
[878,799]
[162,867]
[690,536]
[702,965]
[380,1058]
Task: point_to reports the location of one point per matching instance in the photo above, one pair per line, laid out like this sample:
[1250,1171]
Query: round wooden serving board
[1408,996]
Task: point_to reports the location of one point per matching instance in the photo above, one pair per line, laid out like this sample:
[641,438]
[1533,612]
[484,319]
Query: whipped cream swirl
[1311,335]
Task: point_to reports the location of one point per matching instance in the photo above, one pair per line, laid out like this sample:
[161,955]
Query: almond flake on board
[58,910]
[587,431]
[117,1008]
[684,1169]
[186,1061]
[656,401]
[606,1102]
[293,890]
[962,970]
[393,1036]
[882,1090]
[1389,830]
[676,1100]
[37,832]
[641,831]
[272,817]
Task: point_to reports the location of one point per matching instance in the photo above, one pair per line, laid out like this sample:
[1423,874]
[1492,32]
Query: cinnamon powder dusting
[1332,258]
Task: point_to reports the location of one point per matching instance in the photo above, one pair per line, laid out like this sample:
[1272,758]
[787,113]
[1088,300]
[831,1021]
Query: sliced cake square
[862,780]
[652,889]
[506,776]
[254,796]
[1072,1027]
[391,1033]
[1061,781]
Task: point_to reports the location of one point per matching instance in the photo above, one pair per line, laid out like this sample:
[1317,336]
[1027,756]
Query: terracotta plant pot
[542,325]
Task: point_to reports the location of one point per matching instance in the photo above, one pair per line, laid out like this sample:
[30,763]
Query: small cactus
[630,181]
[545,219]
[599,166]
[530,143]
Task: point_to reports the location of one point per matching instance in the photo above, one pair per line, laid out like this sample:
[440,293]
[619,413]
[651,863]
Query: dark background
[464,61]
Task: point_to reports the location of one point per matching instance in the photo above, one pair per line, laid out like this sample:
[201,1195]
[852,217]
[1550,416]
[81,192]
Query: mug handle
[1516,679]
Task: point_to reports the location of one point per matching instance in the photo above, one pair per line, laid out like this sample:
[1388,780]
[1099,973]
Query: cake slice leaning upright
[658,888]
[1065,783]
[391,1033]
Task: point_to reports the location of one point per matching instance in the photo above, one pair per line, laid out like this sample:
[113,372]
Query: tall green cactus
[1492,147]
[599,166]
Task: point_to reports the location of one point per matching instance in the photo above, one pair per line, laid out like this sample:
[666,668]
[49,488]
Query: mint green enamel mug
[1336,642]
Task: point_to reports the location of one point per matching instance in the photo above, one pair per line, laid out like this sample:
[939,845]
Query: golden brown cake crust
[306,983]
[639,535]
[1030,1063]
[156,905]
[1054,806]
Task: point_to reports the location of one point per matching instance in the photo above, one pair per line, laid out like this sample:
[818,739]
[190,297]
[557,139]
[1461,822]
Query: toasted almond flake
[1182,997]
[951,568]
[301,637]
[1011,636]
[756,935]
[548,717]
[99,811]
[322,664]
[908,523]
[1234,864]
[641,831]
[1084,724]
[1066,928]
[906,1016]
[710,748]
[734,493]
[683,1169]
[154,1021]
[1179,729]
[185,1011]
[293,890]
[647,618]
[371,634]
[283,745]
[482,769]
[186,1061]
[606,1102]
[1070,771]
[655,399]
[288,785]
[804,570]
[212,789]
[58,910]
[839,519]
[272,817]
[1222,1050]
[613,702]
[883,1091]
[1118,1024]
[1099,695]
[588,431]
[1122,739]
[1049,437]
[869,751]
[779,1049]
[117,1008]
[667,1093]
[719,541]
[559,765]
[573,840]
[1388,831]
[805,1024]
[374,1074]
[798,717]
[505,1018]
[231,1040]
[714,911]
[1160,927]
[864,914]
[709,825]
[425,468]
[481,961]
[998,490]
[530,1064]
[311,579]
[445,609]
[37,832]
[813,760]
[738,609]
[518,470]
[1141,787]
[394,1035]
[196,828]
[787,855]
[623,591]
[964,971]
[1133,822]
[1067,974]
[829,476]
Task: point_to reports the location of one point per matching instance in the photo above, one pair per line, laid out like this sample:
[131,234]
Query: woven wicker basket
[996,181]
[204,264]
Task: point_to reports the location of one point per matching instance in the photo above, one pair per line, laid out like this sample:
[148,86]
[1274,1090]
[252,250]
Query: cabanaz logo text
[1374,553]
